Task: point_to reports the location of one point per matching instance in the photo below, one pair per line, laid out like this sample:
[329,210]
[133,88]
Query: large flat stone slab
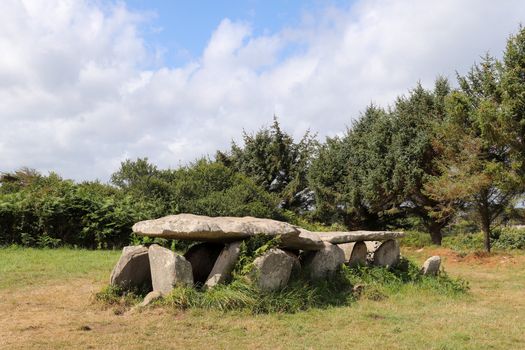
[223,267]
[132,268]
[358,236]
[306,240]
[212,229]
[168,269]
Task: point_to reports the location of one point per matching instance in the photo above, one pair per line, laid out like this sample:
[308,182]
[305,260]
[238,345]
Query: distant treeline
[431,157]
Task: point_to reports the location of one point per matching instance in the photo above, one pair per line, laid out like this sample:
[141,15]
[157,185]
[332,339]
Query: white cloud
[78,92]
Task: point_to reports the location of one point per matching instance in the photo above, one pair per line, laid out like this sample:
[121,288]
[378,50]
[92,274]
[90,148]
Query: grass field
[47,302]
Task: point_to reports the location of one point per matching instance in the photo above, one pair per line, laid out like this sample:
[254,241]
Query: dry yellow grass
[57,311]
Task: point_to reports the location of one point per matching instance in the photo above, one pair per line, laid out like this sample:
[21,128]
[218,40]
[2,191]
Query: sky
[85,85]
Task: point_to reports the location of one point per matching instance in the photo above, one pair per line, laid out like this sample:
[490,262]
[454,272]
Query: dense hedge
[47,211]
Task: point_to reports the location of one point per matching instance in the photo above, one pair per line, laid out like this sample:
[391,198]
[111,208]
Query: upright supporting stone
[324,262]
[384,254]
[224,264]
[355,253]
[431,266]
[202,258]
[168,269]
[272,270]
[132,269]
[296,267]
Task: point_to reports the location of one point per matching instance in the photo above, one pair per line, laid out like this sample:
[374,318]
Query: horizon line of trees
[433,155]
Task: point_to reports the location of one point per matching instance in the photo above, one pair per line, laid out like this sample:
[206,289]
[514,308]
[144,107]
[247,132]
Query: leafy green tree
[211,188]
[327,179]
[377,172]
[275,162]
[482,139]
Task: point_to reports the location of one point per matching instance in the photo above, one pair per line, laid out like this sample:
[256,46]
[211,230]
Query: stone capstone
[212,229]
[168,269]
[306,240]
[324,262]
[132,269]
[431,266]
[202,258]
[224,264]
[272,270]
[358,236]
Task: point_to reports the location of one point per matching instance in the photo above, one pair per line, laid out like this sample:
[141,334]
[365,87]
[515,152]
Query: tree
[275,162]
[379,169]
[481,163]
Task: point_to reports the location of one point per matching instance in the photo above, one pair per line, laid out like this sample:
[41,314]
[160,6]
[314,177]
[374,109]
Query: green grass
[22,267]
[57,311]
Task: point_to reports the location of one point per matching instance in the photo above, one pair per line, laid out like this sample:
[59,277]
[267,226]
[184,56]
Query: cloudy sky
[87,84]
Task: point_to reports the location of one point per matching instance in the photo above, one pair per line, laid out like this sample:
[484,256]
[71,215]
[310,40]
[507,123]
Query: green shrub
[113,295]
[416,239]
[510,238]
[48,211]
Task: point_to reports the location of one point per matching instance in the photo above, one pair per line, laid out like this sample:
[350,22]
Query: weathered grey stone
[324,262]
[132,269]
[202,258]
[355,253]
[431,266]
[212,229]
[168,269]
[296,267]
[223,267]
[151,297]
[306,240]
[384,254]
[272,270]
[358,236]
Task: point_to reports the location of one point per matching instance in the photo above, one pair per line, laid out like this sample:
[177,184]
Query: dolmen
[211,261]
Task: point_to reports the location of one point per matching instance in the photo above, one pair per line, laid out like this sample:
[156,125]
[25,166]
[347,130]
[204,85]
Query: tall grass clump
[380,282]
[241,294]
[301,294]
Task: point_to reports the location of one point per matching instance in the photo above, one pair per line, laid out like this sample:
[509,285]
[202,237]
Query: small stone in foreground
[431,266]
[132,268]
[324,262]
[168,269]
[272,270]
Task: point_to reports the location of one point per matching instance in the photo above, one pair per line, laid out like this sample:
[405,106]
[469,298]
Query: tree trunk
[484,214]
[485,227]
[434,228]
